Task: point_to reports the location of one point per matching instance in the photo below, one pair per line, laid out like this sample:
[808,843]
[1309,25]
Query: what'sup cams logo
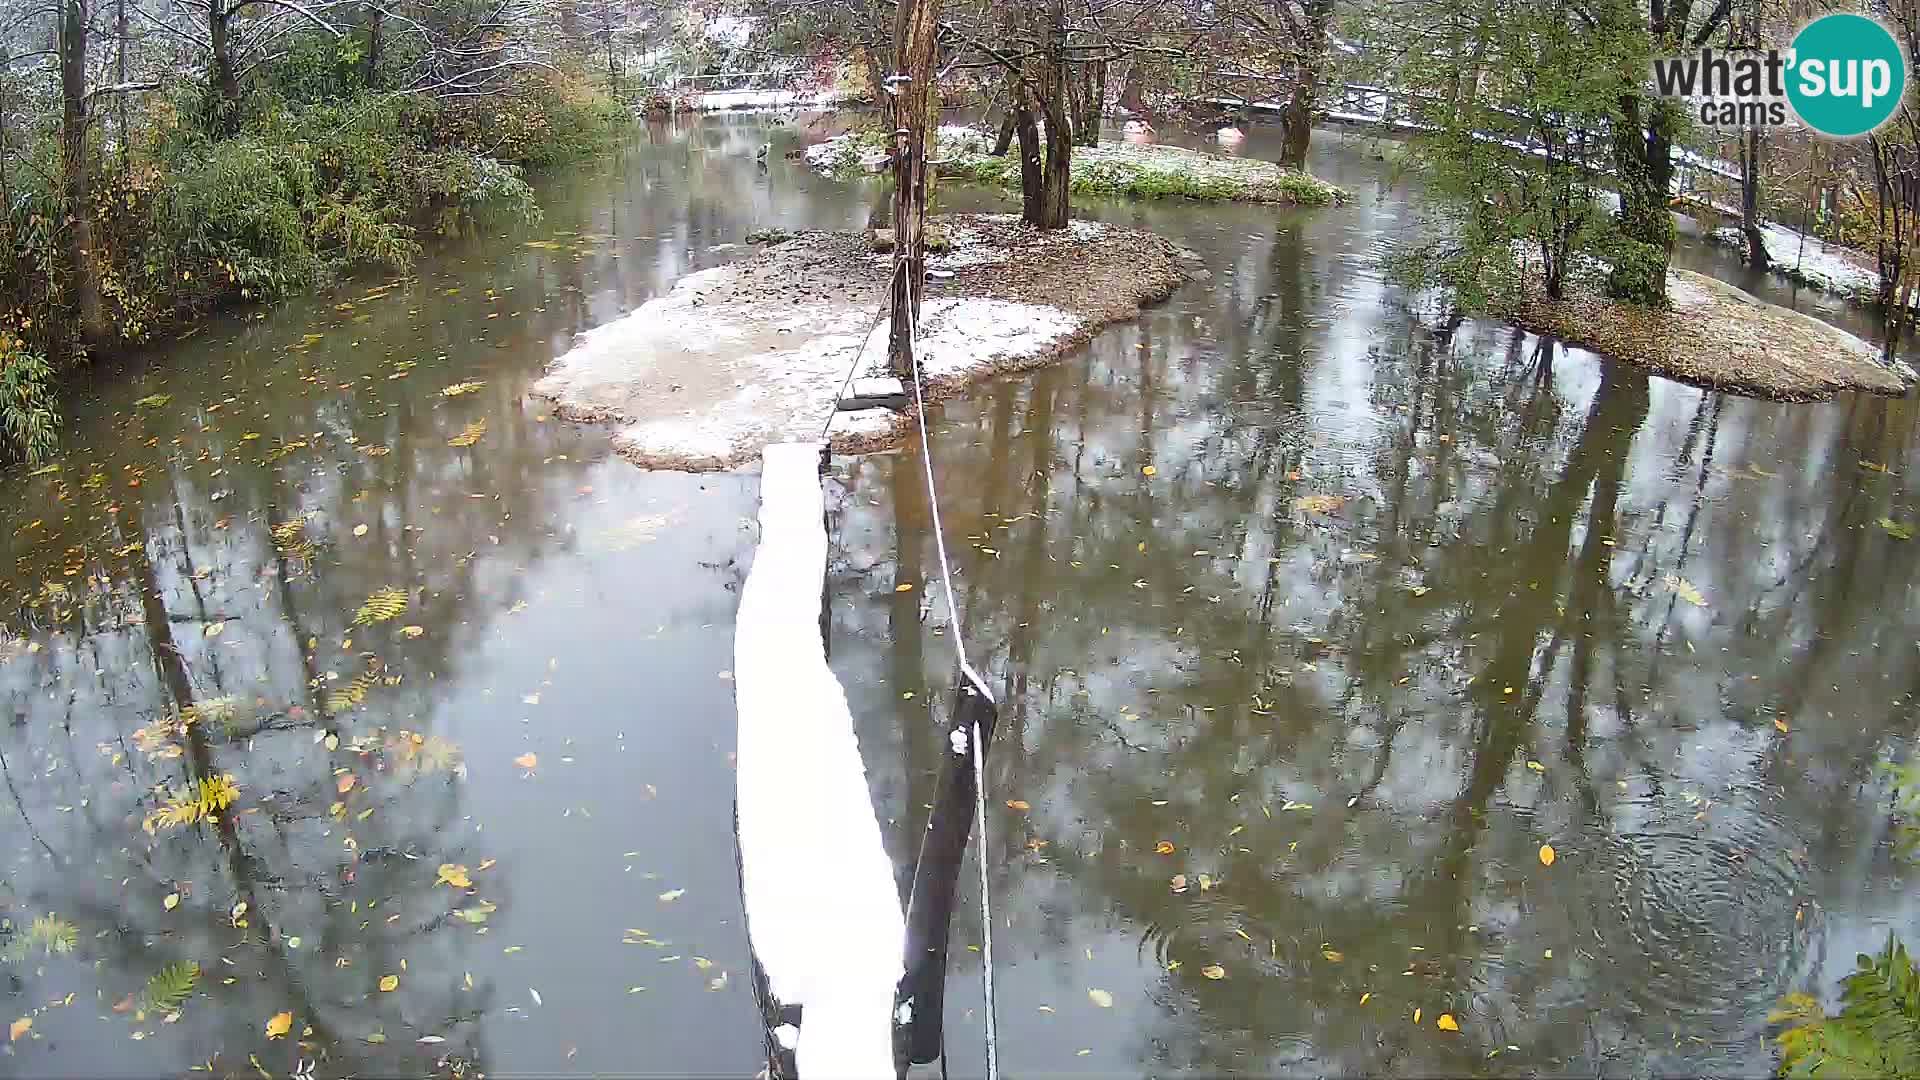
[1844,76]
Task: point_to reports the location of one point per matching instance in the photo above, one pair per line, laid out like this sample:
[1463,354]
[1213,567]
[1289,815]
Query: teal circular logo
[1846,75]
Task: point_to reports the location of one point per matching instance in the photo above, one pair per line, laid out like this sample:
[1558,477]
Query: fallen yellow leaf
[1781,724]
[389,983]
[347,780]
[527,761]
[905,586]
[1018,804]
[1214,971]
[455,875]
[1164,847]
[1446,1023]
[1416,1016]
[1146,470]
[1546,855]
[279,1024]
[1101,998]
[172,901]
[19,1028]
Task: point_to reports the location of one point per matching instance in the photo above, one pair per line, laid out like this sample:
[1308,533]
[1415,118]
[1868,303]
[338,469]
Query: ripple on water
[1716,916]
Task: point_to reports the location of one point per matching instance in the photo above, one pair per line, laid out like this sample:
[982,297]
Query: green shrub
[1876,1032]
[29,416]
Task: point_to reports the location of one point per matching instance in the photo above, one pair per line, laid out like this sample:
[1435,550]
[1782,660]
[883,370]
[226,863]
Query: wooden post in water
[919,1007]
[911,87]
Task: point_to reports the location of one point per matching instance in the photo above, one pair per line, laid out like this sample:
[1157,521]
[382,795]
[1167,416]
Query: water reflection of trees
[1489,646]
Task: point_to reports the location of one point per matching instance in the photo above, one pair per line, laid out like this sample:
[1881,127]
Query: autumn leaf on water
[1147,470]
[1214,971]
[1334,955]
[1164,847]
[461,388]
[382,605]
[527,761]
[412,631]
[671,895]
[905,586]
[1685,590]
[279,1024]
[19,1028]
[1897,530]
[1319,504]
[153,401]
[1018,804]
[455,875]
[1547,855]
[1447,1023]
[346,782]
[213,629]
[389,983]
[470,434]
[172,901]
[1179,883]
[1101,998]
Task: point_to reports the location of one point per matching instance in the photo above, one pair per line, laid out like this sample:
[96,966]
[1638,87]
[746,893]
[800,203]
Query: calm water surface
[1395,607]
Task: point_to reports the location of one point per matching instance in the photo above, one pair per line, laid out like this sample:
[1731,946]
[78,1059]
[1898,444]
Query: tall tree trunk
[1750,165]
[1091,102]
[913,58]
[223,79]
[1133,95]
[120,74]
[376,45]
[1643,165]
[74,174]
[1004,141]
[1055,207]
[1027,126]
[1296,121]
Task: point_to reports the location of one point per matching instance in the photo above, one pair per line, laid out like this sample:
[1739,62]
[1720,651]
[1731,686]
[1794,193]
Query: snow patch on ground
[750,100]
[702,385]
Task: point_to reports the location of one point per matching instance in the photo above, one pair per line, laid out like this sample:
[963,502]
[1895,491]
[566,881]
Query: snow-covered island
[757,351]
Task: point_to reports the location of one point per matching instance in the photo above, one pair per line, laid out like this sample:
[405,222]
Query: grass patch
[1142,172]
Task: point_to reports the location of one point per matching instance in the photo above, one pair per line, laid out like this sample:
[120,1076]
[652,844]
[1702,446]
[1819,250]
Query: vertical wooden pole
[921,1001]
[910,88]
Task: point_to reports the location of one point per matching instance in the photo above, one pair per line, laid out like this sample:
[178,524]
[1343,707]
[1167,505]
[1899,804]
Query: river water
[1394,607]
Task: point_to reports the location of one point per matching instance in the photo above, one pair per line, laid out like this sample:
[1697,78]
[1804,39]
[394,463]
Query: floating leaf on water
[213,629]
[536,996]
[360,529]
[199,801]
[389,983]
[1897,530]
[470,434]
[671,895]
[905,586]
[1319,504]
[279,1024]
[1018,804]
[412,631]
[1447,1023]
[1179,883]
[1780,724]
[461,388]
[1536,766]
[1214,971]
[382,605]
[1416,1016]
[1101,998]
[1334,955]
[19,1028]
[636,530]
[478,913]
[1684,590]
[1147,470]
[170,987]
[172,901]
[375,1038]
[346,782]
[455,875]
[527,761]
[1164,847]
[1546,855]
[153,401]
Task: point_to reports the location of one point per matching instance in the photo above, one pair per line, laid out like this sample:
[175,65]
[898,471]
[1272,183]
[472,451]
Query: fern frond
[171,986]
[350,695]
[461,388]
[47,934]
[1876,1032]
[384,604]
[198,802]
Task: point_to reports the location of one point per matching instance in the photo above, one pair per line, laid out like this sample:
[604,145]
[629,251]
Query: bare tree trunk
[224,82]
[1133,95]
[74,175]
[1296,122]
[120,73]
[1750,165]
[913,59]
[1090,103]
[1031,173]
[1055,207]
[376,45]
[1004,141]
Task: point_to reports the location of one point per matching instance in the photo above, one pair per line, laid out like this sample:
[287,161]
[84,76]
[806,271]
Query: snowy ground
[757,100]
[703,386]
[1810,260]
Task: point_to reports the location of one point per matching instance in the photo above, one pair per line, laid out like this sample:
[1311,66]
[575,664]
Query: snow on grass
[1809,260]
[1112,168]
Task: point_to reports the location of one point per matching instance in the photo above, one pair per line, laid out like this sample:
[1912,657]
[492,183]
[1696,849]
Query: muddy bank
[757,351]
[1721,338]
